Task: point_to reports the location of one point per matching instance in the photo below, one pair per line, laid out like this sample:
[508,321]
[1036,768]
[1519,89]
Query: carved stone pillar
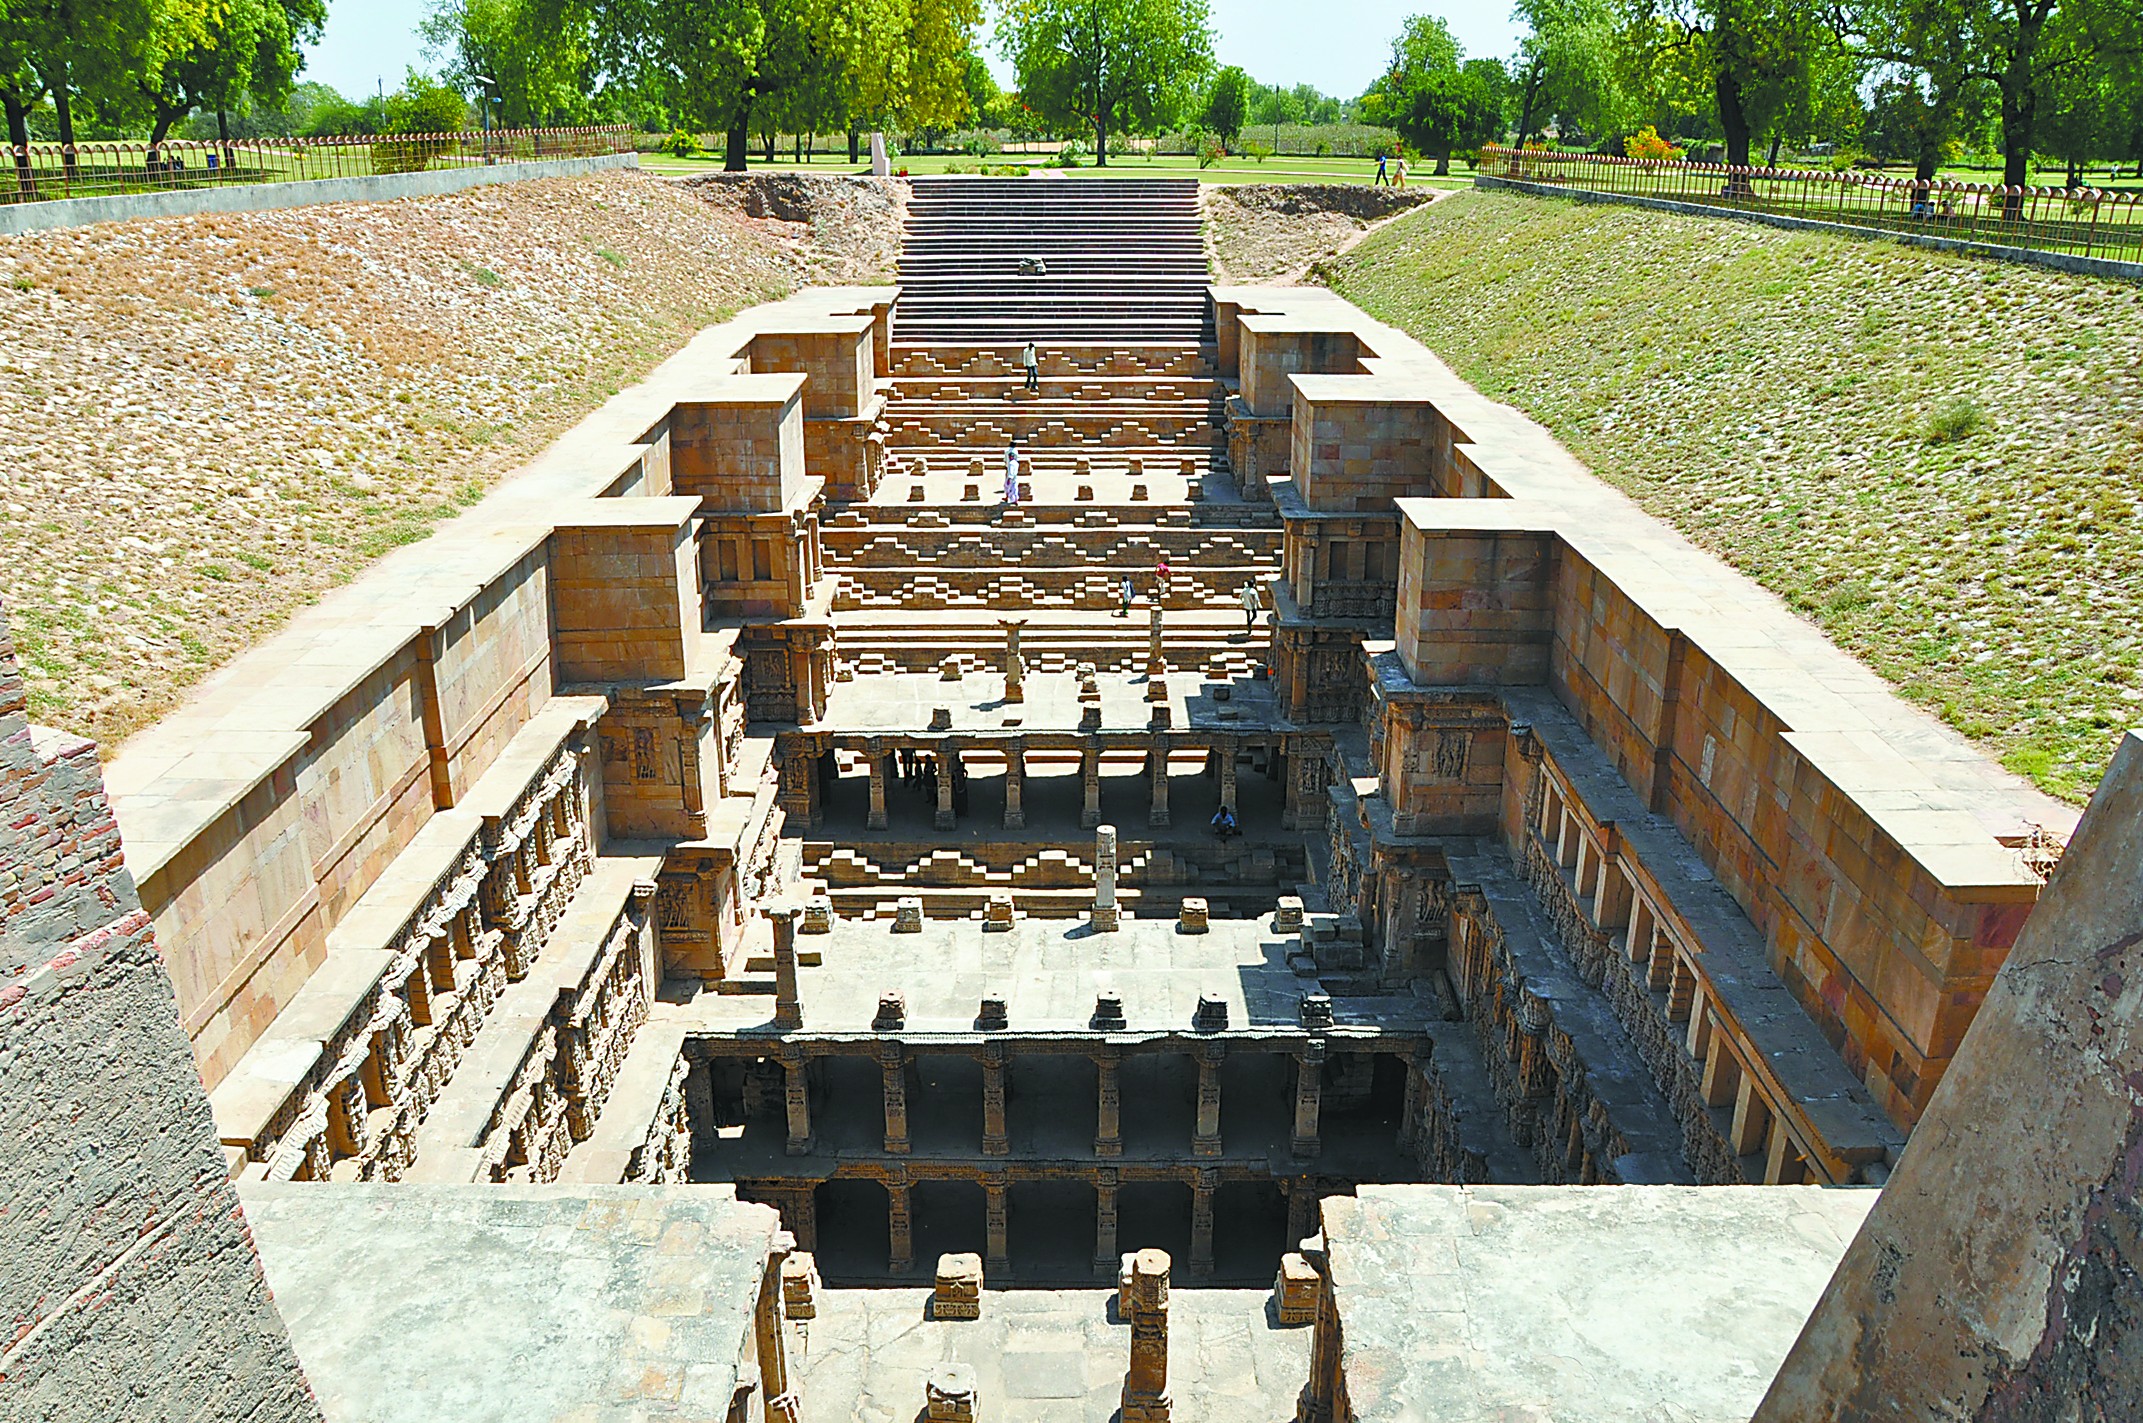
[1090,787]
[900,1223]
[1015,665]
[797,1098]
[1015,786]
[1106,1258]
[788,1000]
[768,1337]
[1309,1097]
[995,1140]
[997,1255]
[1146,1396]
[1204,1183]
[1108,1128]
[1226,751]
[1105,918]
[876,819]
[893,1066]
[1301,1210]
[1205,1141]
[1157,813]
[1318,1402]
[948,757]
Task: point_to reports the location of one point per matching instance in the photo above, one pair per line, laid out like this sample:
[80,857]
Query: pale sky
[1337,45]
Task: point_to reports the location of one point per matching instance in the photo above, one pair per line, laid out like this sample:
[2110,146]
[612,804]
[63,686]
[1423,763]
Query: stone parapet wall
[261,813]
[130,1285]
[1871,848]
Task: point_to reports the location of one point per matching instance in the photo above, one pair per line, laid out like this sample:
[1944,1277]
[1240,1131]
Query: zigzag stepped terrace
[734,927]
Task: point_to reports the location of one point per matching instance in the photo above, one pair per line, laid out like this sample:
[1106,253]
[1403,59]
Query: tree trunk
[1443,164]
[1734,119]
[736,144]
[1535,76]
[18,137]
[771,140]
[161,129]
[2020,104]
[854,146]
[1771,161]
[1101,143]
[223,136]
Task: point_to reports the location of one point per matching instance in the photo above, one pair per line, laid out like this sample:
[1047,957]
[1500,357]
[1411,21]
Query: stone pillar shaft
[1146,1396]
[797,1097]
[1015,787]
[876,819]
[1309,1096]
[1108,1128]
[1105,917]
[768,1337]
[1090,788]
[1157,814]
[1205,1141]
[1226,750]
[997,1255]
[893,1066]
[788,1001]
[1106,1258]
[1202,1222]
[996,1141]
[900,1227]
[948,757]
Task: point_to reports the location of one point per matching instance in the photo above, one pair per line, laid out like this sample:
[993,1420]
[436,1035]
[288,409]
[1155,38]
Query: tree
[1757,58]
[1227,103]
[716,61]
[535,57]
[2028,51]
[250,50]
[97,49]
[1435,98]
[1566,68]
[1110,66]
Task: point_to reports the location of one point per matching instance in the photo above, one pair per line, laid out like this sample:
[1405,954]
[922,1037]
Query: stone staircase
[1121,260]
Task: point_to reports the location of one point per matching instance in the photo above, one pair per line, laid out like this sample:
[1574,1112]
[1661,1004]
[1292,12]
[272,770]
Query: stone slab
[412,1303]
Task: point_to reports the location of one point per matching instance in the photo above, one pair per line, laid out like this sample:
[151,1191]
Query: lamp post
[483,101]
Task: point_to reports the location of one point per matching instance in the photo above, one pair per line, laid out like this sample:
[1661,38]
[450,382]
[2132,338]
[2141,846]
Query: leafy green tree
[425,105]
[1434,97]
[250,52]
[1566,68]
[101,50]
[716,61]
[1756,58]
[535,58]
[1110,66]
[2031,53]
[1227,103]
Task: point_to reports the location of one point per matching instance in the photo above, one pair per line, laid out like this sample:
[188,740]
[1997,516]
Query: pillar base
[997,1146]
[1088,819]
[800,1145]
[946,820]
[875,820]
[1205,1146]
[997,1266]
[1105,921]
[1148,1410]
[1109,1146]
[898,1266]
[1015,820]
[896,1146]
[1305,1147]
[1157,817]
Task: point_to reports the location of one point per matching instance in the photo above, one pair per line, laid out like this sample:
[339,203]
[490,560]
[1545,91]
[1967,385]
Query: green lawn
[1279,168]
[1937,459]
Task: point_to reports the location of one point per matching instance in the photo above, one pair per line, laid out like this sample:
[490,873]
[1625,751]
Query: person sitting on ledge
[1224,823]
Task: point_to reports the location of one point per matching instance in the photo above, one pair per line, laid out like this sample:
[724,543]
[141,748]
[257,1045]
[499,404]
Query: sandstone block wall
[625,592]
[129,1288]
[741,447]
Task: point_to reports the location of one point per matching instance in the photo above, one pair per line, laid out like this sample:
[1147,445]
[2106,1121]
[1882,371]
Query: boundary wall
[2031,256]
[1873,851]
[19,218]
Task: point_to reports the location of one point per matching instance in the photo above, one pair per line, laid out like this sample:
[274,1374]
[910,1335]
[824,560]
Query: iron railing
[2083,222]
[44,171]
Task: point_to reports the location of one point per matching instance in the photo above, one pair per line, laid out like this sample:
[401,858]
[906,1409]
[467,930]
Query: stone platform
[414,1304]
[1628,1304]
[1047,1356]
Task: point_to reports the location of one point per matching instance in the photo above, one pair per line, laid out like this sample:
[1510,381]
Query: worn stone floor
[1054,1355]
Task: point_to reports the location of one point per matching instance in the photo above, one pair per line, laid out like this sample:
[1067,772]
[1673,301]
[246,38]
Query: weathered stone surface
[959,1288]
[589,1302]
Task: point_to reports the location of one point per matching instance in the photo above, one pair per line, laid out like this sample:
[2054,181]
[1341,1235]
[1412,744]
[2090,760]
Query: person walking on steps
[1012,475]
[1032,365]
[1251,608]
[1124,595]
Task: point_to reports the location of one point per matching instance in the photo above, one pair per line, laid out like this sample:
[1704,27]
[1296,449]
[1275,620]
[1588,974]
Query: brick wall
[129,1286]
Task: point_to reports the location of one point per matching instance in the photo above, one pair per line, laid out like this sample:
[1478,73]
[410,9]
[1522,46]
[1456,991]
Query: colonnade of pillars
[878,760]
[1305,1140]
[798,1204]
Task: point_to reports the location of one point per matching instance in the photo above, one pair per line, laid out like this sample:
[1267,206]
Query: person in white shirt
[1252,606]
[1012,474]
[1031,363]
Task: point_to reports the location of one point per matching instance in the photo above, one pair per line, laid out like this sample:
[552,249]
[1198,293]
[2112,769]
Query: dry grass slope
[1937,459]
[210,420]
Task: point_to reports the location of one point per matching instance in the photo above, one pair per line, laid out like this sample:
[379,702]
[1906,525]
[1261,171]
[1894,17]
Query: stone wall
[124,1237]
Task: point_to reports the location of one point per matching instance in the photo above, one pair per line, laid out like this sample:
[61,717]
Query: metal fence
[44,171]
[2083,222]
